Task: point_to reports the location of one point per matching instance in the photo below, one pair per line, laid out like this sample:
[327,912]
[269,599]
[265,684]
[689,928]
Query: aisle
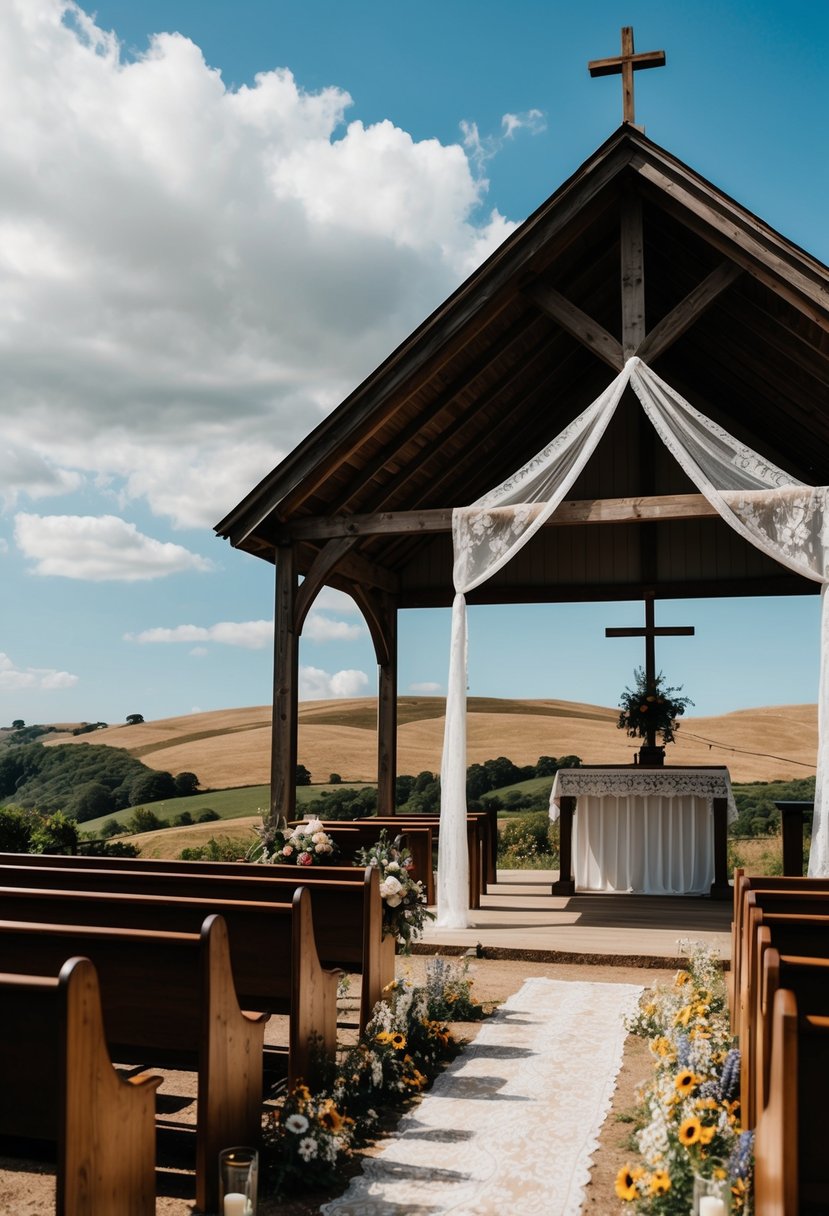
[512,1124]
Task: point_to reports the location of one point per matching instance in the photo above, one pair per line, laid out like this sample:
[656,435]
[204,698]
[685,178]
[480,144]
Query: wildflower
[307,1148]
[398,1041]
[660,1182]
[626,1184]
[296,1124]
[685,1082]
[331,1118]
[689,1131]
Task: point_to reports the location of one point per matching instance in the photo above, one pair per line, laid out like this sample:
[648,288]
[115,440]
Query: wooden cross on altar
[650,632]
[626,64]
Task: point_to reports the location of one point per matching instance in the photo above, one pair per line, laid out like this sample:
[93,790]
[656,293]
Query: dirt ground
[27,1186]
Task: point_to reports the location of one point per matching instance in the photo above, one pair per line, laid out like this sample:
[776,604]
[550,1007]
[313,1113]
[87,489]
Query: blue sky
[217,218]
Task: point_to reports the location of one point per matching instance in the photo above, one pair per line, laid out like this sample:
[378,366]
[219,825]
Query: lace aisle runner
[512,1125]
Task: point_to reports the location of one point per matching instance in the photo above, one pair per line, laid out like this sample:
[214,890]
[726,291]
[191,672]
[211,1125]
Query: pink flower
[287,851]
[305,859]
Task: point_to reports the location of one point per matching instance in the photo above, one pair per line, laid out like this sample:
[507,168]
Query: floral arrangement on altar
[690,1112]
[305,845]
[310,1137]
[404,898]
[643,709]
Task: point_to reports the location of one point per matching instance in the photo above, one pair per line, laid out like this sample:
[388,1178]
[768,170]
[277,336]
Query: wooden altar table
[653,831]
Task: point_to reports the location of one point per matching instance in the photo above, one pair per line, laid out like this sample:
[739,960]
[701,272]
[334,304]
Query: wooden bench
[791,1162]
[354,834]
[347,920]
[743,883]
[167,998]
[59,1085]
[807,978]
[792,933]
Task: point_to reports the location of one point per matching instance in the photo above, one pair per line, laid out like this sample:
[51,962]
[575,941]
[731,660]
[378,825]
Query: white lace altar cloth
[649,831]
[512,1125]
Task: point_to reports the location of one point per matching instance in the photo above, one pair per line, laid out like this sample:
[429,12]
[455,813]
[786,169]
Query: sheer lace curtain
[770,509]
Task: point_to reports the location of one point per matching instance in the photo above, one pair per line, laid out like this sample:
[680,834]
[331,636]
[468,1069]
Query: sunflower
[398,1041]
[681,977]
[383,1037]
[660,1182]
[626,1184]
[331,1118]
[684,1016]
[689,1131]
[685,1082]
[707,1133]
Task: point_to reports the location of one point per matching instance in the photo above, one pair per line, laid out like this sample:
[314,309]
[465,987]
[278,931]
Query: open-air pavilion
[634,255]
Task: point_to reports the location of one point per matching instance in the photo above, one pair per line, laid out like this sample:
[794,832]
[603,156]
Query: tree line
[86,781]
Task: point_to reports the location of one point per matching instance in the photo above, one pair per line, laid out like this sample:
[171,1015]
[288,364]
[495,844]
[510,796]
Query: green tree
[144,820]
[134,719]
[183,820]
[547,766]
[153,785]
[18,724]
[334,779]
[91,800]
[303,777]
[186,784]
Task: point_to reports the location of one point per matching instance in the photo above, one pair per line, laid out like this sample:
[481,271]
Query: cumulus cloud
[426,688]
[46,678]
[320,628]
[192,275]
[99,548]
[251,635]
[331,600]
[318,685]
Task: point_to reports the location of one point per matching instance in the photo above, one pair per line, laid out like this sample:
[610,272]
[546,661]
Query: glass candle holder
[238,1181]
[712,1196]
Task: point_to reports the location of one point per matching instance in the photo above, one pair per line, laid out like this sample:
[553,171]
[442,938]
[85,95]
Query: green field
[250,800]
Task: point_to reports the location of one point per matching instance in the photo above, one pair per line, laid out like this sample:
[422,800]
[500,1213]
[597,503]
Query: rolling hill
[229,748]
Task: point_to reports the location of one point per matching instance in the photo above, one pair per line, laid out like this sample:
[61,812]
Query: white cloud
[46,678]
[318,685]
[426,688]
[482,148]
[331,600]
[99,548]
[190,276]
[319,628]
[251,635]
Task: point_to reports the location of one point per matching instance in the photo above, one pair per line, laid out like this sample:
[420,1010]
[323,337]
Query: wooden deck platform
[521,918]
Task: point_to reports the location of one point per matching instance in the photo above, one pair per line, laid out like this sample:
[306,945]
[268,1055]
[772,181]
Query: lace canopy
[784,518]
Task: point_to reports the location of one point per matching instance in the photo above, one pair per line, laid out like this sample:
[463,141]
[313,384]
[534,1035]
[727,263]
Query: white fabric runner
[511,1126]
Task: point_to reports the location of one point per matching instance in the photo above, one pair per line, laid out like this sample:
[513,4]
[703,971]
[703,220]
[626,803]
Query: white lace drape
[770,509]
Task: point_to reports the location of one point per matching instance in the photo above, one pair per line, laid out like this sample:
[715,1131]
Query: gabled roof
[737,319]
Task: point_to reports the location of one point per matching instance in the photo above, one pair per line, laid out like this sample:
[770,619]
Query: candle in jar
[235,1204]
[712,1205]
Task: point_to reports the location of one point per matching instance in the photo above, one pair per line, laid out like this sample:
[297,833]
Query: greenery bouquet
[644,709]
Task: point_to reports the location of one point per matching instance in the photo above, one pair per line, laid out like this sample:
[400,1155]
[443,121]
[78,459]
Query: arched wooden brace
[380,612]
[323,564]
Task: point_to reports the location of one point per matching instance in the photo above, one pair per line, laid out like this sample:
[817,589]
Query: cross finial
[626,64]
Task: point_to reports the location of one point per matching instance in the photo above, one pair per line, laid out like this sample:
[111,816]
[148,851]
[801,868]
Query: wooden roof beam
[585,511]
[578,324]
[689,310]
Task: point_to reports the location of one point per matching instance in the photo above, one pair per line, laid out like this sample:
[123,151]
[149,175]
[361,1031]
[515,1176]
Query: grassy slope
[231,748]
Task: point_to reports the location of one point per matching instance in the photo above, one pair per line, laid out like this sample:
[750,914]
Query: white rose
[390,886]
[320,848]
[392,865]
[319,837]
[312,826]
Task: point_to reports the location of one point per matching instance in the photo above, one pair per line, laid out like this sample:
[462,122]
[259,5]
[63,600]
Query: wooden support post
[720,887]
[387,715]
[565,884]
[633,273]
[791,820]
[285,689]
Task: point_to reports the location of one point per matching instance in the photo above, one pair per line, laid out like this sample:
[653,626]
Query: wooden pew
[476,828]
[347,920]
[354,834]
[791,1163]
[167,998]
[752,882]
[792,933]
[59,1085]
[807,978]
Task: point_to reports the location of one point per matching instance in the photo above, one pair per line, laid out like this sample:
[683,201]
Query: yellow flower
[660,1183]
[706,1134]
[398,1041]
[685,1082]
[626,1184]
[382,1036]
[681,977]
[689,1131]
[331,1118]
[683,1017]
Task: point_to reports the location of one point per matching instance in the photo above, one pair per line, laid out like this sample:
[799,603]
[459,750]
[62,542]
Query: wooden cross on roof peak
[625,65]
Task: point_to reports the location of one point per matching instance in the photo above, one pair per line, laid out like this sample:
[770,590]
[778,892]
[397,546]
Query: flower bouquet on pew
[304,845]
[404,898]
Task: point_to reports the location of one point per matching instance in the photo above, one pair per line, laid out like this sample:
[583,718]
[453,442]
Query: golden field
[229,748]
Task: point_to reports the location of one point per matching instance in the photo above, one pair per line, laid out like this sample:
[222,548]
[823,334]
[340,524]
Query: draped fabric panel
[770,509]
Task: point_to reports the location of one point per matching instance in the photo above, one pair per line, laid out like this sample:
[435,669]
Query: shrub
[223,849]
[208,816]
[529,840]
[144,820]
[16,828]
[110,848]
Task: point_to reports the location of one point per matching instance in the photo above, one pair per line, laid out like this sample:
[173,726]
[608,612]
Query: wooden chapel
[635,254]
